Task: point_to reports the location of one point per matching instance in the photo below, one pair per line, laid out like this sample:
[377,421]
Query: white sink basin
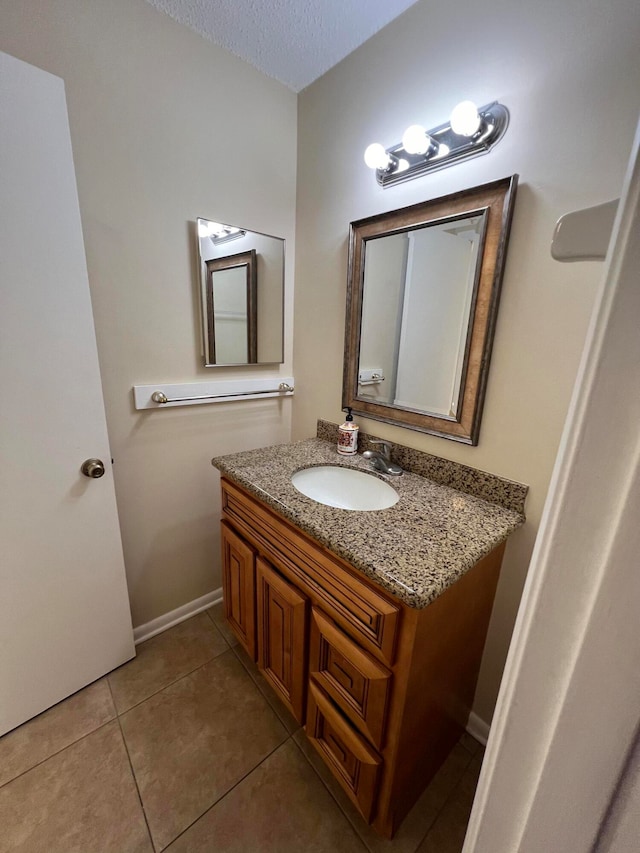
[345,488]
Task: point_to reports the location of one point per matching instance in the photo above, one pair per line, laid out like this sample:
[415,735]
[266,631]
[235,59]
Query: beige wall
[553,65]
[163,126]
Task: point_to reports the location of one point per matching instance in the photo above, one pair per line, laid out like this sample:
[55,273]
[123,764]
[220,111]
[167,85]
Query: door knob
[93,468]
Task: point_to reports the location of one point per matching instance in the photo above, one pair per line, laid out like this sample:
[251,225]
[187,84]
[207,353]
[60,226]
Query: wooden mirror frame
[497,199]
[242,259]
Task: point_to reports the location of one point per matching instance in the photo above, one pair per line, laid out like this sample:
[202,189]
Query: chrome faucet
[382,461]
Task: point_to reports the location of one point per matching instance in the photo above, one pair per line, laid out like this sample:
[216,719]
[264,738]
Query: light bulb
[376,157]
[465,119]
[416,140]
[206,228]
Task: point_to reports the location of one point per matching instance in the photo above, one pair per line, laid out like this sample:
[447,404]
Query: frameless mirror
[242,295]
[422,300]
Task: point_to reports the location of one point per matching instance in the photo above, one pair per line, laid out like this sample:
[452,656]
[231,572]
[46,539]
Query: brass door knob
[93,468]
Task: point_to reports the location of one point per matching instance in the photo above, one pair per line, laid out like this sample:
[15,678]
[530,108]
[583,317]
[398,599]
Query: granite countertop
[414,549]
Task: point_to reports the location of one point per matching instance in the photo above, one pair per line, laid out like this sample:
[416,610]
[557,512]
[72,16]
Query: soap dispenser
[348,436]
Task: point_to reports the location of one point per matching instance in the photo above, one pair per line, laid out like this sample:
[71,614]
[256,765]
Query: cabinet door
[351,760]
[238,585]
[282,637]
[356,682]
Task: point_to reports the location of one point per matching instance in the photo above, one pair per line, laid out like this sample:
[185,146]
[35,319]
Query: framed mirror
[422,300]
[231,309]
[242,295]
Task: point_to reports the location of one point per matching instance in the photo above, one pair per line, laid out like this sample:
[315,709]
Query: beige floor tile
[470,743]
[281,807]
[421,817]
[82,799]
[448,777]
[165,658]
[217,615]
[53,730]
[284,714]
[190,743]
[448,832]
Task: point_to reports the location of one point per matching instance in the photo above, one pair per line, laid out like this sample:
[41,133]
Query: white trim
[174,617]
[478,729]
[567,709]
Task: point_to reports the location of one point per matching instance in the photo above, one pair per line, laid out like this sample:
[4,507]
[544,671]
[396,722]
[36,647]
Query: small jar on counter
[348,436]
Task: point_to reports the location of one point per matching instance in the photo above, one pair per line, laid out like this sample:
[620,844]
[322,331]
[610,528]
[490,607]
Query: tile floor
[185,749]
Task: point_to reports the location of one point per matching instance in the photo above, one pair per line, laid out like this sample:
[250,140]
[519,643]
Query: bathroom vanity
[369,626]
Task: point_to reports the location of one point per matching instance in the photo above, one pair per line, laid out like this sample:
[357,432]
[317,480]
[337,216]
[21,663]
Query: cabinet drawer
[353,679]
[281,637]
[352,761]
[365,614]
[238,582]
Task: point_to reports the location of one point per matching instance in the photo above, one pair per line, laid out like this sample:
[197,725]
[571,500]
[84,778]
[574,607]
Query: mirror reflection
[242,295]
[231,309]
[419,289]
[422,301]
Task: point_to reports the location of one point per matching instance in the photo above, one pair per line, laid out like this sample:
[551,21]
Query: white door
[559,766]
[64,609]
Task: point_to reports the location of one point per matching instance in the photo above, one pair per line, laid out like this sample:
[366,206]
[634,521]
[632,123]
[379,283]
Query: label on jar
[347,440]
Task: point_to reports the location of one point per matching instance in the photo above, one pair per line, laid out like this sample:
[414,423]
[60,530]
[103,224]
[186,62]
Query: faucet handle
[386,446]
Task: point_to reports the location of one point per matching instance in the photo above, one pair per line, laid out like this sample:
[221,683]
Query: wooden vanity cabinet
[383,690]
[282,633]
[239,585]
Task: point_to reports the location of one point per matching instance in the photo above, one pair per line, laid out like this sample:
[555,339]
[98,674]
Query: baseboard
[174,617]
[478,729]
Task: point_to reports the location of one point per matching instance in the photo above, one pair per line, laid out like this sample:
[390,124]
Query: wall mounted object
[422,300]
[584,235]
[468,133]
[164,396]
[242,299]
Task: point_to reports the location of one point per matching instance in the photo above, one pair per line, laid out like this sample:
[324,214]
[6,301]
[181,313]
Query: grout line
[349,817]
[175,680]
[133,774]
[270,697]
[288,736]
[116,712]
[135,782]
[427,831]
[478,745]
[226,793]
[58,751]
[71,743]
[208,612]
[451,795]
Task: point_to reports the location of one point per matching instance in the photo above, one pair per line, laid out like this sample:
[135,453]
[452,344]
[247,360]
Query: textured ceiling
[295,41]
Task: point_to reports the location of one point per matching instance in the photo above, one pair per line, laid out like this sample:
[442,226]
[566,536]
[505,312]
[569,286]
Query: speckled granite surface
[489,487]
[415,549]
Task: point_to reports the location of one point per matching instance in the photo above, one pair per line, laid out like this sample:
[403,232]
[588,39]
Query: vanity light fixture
[218,233]
[469,132]
[227,234]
